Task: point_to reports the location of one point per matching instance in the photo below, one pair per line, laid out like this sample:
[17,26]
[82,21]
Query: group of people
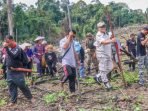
[97,49]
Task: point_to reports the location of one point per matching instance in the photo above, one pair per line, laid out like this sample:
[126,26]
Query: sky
[133,4]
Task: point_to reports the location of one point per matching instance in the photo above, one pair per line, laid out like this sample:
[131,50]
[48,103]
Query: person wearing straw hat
[50,59]
[103,52]
[29,54]
[38,53]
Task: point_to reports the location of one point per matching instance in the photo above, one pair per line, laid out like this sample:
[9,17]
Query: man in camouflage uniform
[141,53]
[90,48]
[104,56]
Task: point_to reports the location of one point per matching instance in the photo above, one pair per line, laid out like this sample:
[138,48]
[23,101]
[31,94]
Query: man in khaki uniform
[103,53]
[90,48]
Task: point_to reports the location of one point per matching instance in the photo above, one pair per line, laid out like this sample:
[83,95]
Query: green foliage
[2,102]
[137,107]
[51,98]
[3,83]
[47,18]
[131,77]
[89,80]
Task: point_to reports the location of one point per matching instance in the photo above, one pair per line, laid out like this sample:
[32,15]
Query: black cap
[146,28]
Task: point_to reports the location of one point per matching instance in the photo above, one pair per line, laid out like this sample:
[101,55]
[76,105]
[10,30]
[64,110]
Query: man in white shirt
[103,52]
[69,60]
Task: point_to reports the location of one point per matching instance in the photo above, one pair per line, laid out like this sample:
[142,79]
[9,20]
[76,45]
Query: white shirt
[101,49]
[69,58]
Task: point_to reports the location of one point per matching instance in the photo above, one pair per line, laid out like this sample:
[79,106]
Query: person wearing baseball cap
[103,52]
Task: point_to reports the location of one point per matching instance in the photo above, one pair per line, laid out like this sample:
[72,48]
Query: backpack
[90,43]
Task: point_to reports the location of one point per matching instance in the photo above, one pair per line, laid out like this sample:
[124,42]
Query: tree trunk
[10,18]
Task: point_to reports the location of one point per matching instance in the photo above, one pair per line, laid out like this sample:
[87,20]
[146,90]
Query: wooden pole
[10,17]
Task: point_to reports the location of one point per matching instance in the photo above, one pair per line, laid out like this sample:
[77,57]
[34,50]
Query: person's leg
[54,69]
[72,80]
[134,64]
[29,67]
[141,69]
[50,70]
[95,61]
[88,61]
[130,64]
[66,73]
[65,76]
[39,68]
[13,91]
[105,67]
[82,70]
[24,88]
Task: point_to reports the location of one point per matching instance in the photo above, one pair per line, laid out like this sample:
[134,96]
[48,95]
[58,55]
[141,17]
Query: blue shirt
[29,52]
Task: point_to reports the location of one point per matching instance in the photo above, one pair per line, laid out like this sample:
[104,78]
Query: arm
[108,41]
[144,42]
[68,42]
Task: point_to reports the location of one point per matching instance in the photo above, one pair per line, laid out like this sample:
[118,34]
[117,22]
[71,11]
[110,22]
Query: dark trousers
[51,69]
[18,83]
[29,66]
[132,65]
[69,74]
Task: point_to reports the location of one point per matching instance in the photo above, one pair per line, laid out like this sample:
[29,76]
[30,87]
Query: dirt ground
[91,97]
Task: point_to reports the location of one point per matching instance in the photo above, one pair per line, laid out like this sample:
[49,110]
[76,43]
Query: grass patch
[131,77]
[3,83]
[89,80]
[2,102]
[51,98]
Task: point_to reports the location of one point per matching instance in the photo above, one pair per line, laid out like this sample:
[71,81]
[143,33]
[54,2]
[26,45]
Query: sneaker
[141,83]
[98,80]
[108,86]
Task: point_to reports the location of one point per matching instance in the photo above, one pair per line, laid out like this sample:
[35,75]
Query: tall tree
[10,17]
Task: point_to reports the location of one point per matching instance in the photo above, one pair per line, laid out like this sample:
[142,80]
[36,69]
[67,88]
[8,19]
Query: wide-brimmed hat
[39,38]
[101,24]
[44,42]
[49,48]
[24,45]
[89,35]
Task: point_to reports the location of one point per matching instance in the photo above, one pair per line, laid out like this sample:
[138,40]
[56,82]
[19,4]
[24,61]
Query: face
[40,41]
[145,32]
[72,34]
[102,29]
[132,37]
[9,42]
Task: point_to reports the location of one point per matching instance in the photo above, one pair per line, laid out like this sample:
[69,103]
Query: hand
[78,63]
[70,36]
[113,40]
[39,54]
[1,71]
[94,55]
[5,44]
